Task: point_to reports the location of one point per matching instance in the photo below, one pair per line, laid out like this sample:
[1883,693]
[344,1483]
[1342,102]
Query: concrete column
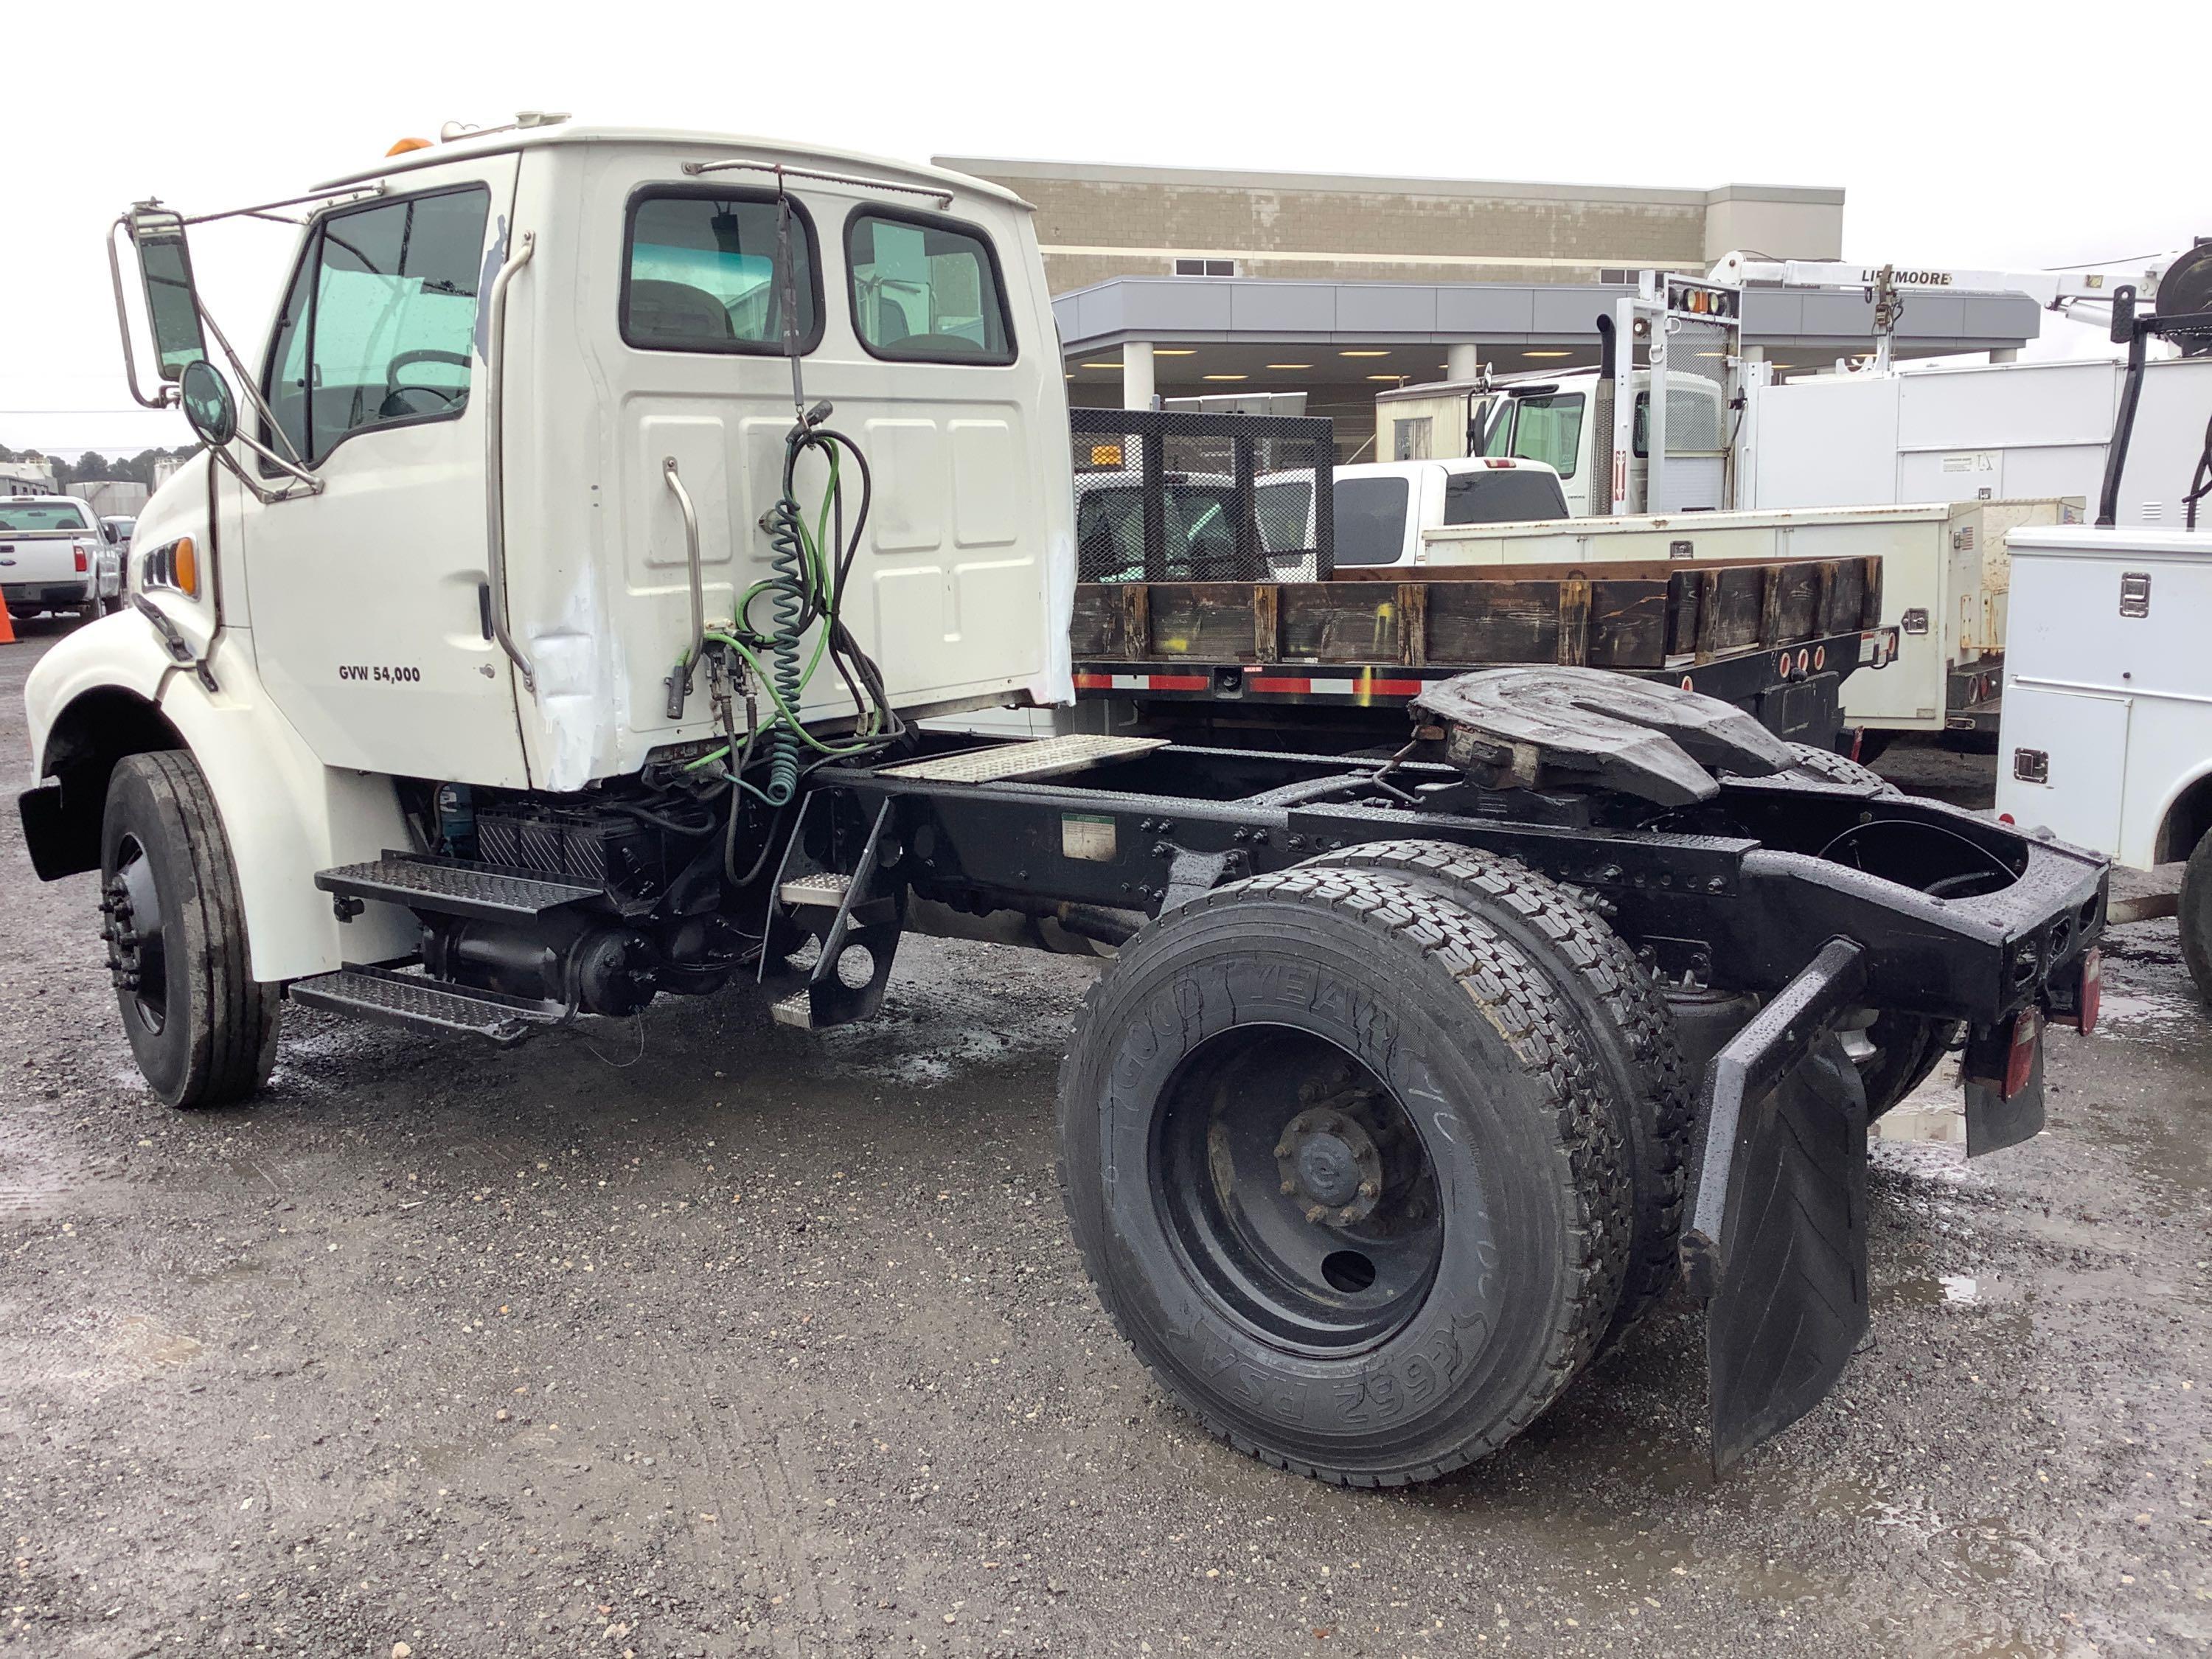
[2005,354]
[1137,375]
[1464,361]
[1754,353]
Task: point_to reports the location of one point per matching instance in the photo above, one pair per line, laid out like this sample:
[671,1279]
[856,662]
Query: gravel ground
[713,1337]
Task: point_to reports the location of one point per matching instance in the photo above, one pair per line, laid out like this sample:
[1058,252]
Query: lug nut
[1368,1190]
[1289,1187]
[1283,1148]
[1316,1212]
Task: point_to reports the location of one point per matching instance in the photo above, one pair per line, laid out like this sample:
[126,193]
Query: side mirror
[208,406]
[173,308]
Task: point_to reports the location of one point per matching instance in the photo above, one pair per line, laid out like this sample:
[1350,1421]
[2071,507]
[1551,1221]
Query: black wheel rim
[1298,1189]
[131,923]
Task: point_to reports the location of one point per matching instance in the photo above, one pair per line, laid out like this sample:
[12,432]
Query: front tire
[204,1030]
[1339,1177]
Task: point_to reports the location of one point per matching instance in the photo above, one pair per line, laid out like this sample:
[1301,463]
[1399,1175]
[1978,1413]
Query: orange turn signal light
[185,568]
[406,144]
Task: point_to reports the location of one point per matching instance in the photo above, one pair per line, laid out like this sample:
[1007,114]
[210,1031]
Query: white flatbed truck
[531,645]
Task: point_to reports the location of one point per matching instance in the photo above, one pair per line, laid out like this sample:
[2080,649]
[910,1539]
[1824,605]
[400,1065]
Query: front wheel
[1339,1175]
[204,1030]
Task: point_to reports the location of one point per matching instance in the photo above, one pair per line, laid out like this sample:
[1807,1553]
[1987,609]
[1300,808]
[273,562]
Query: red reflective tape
[2020,1058]
[1094,681]
[1276,682]
[2093,991]
[1180,682]
[1395,687]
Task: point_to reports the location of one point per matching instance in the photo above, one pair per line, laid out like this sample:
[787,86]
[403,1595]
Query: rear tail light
[2020,1056]
[83,562]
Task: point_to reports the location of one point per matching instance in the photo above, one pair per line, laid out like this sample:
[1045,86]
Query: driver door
[367,601]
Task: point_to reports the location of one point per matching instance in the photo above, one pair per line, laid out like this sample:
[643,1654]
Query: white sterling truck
[546,626]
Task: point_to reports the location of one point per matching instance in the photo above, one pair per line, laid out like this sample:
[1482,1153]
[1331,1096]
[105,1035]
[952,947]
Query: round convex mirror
[205,396]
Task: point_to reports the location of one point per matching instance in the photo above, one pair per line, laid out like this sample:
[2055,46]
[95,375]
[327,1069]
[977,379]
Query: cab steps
[453,887]
[425,1004]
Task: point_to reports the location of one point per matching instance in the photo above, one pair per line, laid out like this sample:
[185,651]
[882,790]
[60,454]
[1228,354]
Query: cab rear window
[29,518]
[700,273]
[926,289]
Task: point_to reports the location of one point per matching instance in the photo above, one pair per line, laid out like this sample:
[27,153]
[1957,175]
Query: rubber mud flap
[1993,1122]
[1787,1301]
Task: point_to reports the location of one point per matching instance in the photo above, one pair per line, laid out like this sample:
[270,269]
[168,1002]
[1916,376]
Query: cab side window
[379,328]
[926,289]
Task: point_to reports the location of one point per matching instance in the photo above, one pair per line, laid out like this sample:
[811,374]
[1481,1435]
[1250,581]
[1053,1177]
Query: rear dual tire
[1424,1316]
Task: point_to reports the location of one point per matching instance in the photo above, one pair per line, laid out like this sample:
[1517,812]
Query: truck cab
[1562,420]
[520,428]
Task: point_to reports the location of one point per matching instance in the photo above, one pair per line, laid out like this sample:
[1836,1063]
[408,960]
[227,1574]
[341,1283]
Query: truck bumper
[25,597]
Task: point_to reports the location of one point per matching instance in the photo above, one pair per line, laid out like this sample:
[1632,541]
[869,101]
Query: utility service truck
[546,628]
[2107,738]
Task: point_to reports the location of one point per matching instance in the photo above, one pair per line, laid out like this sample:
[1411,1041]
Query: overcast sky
[2018,136]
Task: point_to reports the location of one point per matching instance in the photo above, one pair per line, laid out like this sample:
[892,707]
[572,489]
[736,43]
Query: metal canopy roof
[1260,311]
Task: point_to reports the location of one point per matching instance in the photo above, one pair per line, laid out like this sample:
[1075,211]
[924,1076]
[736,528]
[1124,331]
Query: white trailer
[1976,432]
[1944,585]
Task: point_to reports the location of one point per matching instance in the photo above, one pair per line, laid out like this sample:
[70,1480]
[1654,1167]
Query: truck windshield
[32,519]
[1546,427]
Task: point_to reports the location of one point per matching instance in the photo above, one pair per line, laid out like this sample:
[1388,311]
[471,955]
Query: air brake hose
[789,596]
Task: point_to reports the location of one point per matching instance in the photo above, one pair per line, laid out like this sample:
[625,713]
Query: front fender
[286,815]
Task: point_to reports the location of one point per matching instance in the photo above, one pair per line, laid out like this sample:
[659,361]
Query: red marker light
[2004,817]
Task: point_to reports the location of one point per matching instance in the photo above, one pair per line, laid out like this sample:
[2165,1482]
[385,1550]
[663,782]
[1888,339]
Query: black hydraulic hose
[2200,481]
[674,827]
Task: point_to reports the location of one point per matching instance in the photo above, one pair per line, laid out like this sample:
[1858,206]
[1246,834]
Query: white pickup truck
[56,555]
[1383,508]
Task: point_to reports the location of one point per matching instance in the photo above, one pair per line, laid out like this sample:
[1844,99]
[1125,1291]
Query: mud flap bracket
[1776,1244]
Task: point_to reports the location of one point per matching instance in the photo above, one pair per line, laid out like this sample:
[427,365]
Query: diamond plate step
[410,999]
[1010,763]
[824,888]
[453,887]
[796,1009]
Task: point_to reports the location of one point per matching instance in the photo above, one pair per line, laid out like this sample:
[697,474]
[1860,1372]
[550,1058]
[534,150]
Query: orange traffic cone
[7,623]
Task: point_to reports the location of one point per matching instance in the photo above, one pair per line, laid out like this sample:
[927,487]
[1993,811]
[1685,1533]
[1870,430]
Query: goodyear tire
[1623,1022]
[203,1031]
[1337,1175]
